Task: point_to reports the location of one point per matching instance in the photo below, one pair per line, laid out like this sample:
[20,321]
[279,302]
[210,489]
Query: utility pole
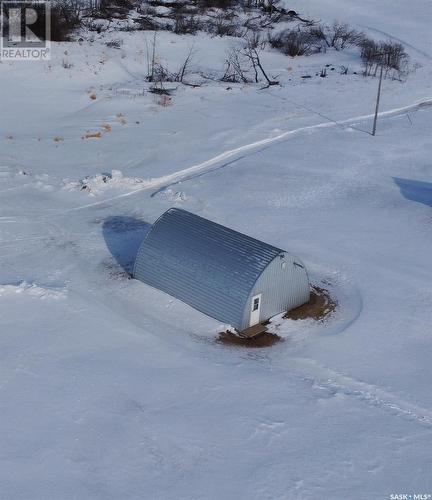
[378,100]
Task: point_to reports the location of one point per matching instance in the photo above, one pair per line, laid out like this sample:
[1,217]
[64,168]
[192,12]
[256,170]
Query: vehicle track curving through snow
[336,383]
[228,157]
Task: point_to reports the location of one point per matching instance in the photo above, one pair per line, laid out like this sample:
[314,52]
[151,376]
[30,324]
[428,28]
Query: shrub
[292,42]
[223,26]
[390,55]
[314,38]
[148,23]
[338,36]
[216,4]
[65,19]
[115,9]
[146,10]
[114,44]
[186,24]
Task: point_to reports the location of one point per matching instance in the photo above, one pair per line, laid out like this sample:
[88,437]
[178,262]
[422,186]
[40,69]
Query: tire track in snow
[225,158]
[220,161]
[194,176]
[338,384]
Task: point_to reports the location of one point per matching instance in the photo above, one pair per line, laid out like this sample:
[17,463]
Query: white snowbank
[32,290]
[97,184]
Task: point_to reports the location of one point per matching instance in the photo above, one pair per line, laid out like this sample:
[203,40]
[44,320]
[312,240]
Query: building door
[255,310]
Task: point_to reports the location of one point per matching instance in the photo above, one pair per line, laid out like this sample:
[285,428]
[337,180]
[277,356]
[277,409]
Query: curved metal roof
[208,266]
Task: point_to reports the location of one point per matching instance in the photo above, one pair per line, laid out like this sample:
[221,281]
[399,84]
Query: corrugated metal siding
[282,289]
[208,266]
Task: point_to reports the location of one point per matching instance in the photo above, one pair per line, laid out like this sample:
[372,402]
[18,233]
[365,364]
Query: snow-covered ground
[110,389]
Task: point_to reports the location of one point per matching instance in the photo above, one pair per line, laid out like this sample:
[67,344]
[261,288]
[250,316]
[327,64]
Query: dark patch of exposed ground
[231,338]
[320,306]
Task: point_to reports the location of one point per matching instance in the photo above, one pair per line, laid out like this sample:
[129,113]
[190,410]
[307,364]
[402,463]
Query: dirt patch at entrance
[266,340]
[320,306]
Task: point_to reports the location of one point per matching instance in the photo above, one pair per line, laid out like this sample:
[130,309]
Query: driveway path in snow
[226,158]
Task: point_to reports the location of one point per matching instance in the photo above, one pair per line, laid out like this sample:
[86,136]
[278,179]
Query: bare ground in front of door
[320,306]
[231,338]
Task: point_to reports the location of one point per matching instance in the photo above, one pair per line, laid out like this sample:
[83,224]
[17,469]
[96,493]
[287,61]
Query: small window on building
[255,304]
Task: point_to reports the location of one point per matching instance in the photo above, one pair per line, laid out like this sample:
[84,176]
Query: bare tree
[151,58]
[157,73]
[252,54]
[235,71]
[184,68]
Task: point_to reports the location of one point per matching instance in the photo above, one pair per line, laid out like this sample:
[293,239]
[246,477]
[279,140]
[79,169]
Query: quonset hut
[227,275]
